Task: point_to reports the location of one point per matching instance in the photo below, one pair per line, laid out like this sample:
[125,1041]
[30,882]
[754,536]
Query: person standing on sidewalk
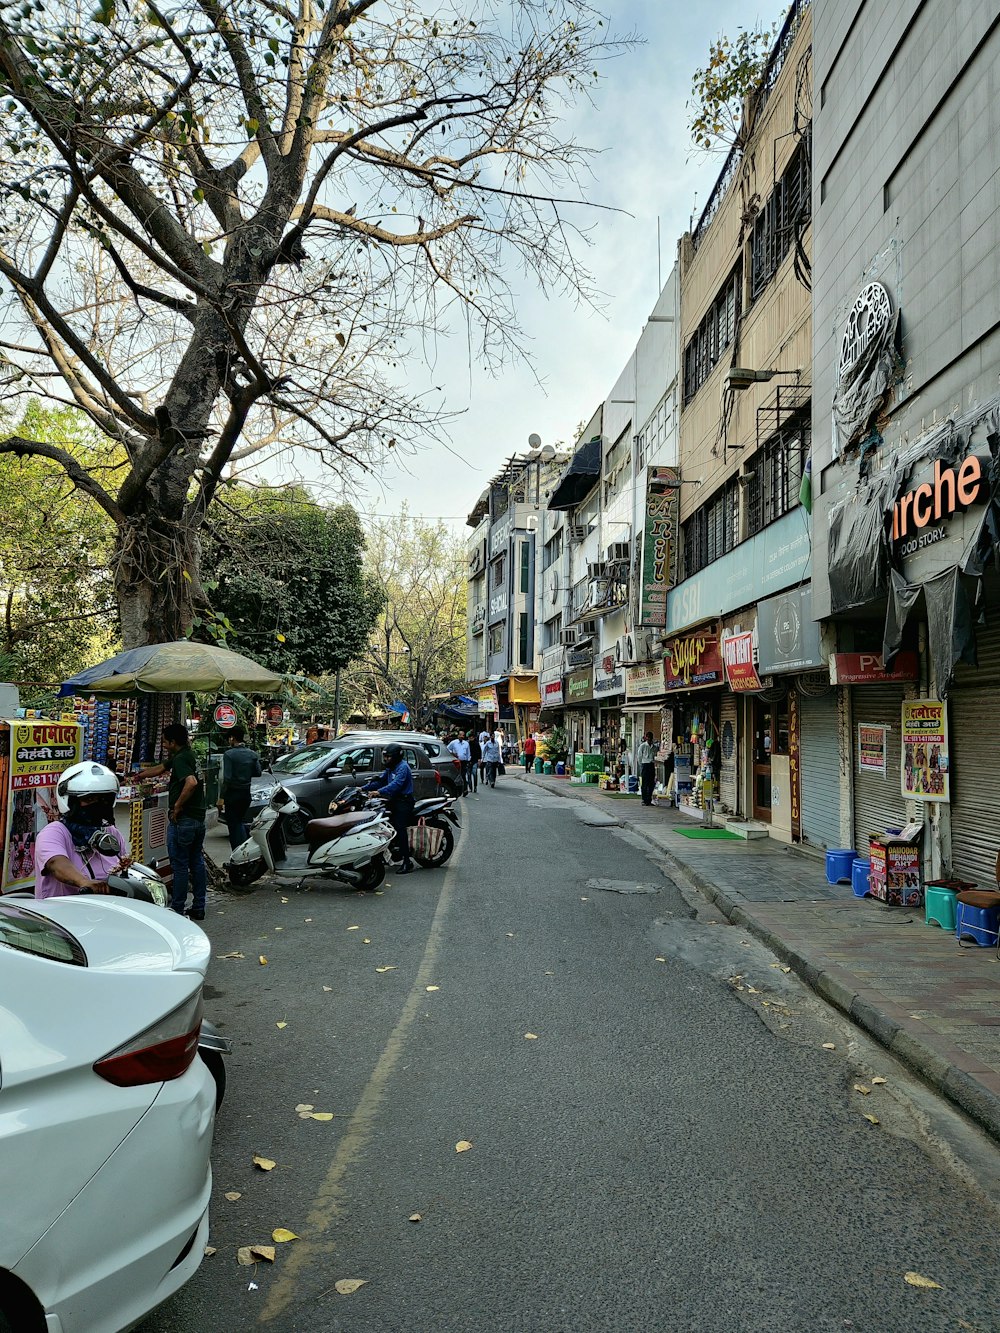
[476,765]
[491,758]
[186,829]
[645,757]
[239,765]
[529,752]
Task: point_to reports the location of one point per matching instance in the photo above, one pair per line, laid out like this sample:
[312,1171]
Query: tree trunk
[156,581]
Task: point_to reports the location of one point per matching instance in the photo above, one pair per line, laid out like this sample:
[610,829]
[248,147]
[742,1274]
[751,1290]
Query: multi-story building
[906,370]
[739,624]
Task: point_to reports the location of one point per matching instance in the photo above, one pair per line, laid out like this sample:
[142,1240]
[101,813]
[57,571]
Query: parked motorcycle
[433,811]
[348,846]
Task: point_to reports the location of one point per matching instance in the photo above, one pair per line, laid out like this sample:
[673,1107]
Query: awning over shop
[523,690]
[578,480]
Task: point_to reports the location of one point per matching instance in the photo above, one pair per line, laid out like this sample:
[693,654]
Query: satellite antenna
[534,441]
[547,453]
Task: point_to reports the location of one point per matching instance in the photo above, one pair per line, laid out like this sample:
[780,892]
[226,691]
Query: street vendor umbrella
[172,668]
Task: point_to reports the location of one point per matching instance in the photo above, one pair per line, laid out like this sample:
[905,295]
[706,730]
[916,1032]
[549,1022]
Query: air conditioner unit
[599,570]
[624,650]
[577,532]
[619,552]
[567,637]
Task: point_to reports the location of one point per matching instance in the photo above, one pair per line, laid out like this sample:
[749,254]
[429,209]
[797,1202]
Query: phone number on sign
[21,780]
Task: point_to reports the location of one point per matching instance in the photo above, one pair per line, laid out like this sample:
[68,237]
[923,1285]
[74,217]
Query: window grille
[775,475]
[788,207]
[713,335]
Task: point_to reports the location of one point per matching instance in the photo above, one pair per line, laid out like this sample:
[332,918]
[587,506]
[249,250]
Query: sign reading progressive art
[659,545]
[692,661]
[925,762]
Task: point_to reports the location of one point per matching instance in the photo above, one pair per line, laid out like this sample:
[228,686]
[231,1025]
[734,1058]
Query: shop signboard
[609,676]
[579,689]
[225,716]
[924,761]
[486,699]
[552,693]
[774,559]
[37,754]
[869,669]
[788,639]
[872,748]
[659,546]
[645,681]
[692,661]
[738,655]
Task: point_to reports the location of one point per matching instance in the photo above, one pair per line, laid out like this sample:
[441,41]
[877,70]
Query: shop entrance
[770,737]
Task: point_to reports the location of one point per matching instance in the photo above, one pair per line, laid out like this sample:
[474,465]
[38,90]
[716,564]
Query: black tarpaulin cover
[950,633]
[858,549]
[864,385]
[578,480]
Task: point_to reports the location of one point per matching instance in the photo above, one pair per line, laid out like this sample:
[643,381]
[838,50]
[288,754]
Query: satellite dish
[547,453]
[534,441]
[554,588]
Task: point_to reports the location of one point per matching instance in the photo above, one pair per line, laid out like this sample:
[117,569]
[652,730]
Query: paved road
[674,1150]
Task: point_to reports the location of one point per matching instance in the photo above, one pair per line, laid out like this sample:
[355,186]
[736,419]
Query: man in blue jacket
[396,786]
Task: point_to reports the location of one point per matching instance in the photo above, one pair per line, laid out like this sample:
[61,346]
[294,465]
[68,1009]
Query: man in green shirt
[186,829]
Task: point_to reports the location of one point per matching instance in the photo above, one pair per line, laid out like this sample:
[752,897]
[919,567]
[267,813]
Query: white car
[106,1116]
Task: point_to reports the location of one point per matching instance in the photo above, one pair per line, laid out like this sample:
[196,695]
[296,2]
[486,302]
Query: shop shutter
[729,740]
[974,708]
[820,770]
[878,801]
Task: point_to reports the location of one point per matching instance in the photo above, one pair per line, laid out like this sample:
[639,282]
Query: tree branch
[78,475]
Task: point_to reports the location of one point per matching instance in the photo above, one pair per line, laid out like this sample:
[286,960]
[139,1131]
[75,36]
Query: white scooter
[348,847]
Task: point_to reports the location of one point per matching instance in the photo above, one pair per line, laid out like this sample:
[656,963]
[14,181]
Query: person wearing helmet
[396,786]
[78,851]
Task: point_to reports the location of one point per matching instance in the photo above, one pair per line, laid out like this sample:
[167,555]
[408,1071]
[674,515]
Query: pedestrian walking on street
[475,761]
[186,829]
[646,759]
[529,752]
[459,747]
[239,765]
[491,759]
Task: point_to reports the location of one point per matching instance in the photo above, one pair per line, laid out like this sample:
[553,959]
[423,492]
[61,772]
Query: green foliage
[734,69]
[56,596]
[557,743]
[287,582]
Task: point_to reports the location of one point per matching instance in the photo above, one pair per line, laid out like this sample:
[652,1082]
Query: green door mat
[714,834]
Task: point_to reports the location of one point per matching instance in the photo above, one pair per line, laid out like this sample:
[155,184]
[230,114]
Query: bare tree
[225,225]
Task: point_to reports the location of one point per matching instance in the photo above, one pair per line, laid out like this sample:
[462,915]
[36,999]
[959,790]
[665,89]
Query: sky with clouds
[646,168]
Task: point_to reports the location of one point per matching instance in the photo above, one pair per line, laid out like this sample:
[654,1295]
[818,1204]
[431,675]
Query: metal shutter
[878,801]
[974,707]
[820,782]
[729,794]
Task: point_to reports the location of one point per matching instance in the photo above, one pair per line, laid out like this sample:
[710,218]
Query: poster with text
[872,746]
[39,753]
[925,761]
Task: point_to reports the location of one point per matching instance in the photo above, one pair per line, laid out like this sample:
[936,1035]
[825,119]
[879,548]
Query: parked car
[321,771]
[106,1116]
[437,752]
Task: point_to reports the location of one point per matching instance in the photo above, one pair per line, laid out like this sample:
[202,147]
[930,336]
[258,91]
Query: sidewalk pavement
[931,1002]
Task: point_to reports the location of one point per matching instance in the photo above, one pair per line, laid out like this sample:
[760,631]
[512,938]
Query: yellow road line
[330,1203]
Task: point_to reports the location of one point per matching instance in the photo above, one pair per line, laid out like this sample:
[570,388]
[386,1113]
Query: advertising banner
[869,669]
[693,661]
[737,653]
[38,754]
[925,761]
[552,693]
[579,688]
[788,639]
[872,746]
[609,676]
[659,544]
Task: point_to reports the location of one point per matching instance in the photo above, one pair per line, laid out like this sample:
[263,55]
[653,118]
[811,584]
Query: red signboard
[737,652]
[225,716]
[868,668]
[692,661]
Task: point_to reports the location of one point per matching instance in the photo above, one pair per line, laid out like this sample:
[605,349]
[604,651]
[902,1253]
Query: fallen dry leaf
[281,1234]
[431,988]
[659,958]
[233,1195]
[752,990]
[860,1087]
[234,954]
[878,1081]
[786,969]
[366,940]
[328,988]
[510,934]
[248,1255]
[305,1106]
[391,968]
[531,1036]
[872,1119]
[347,1286]
[262,960]
[415,1217]
[281,1024]
[284,900]
[208,1251]
[463,1145]
[264,1163]
[277,928]
[319,1115]
[585,900]
[353,927]
[829,1046]
[307,919]
[918,1280]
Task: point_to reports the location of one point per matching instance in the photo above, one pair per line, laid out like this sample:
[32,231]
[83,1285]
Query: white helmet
[86,779]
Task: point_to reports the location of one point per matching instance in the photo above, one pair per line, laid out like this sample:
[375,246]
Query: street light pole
[336,705]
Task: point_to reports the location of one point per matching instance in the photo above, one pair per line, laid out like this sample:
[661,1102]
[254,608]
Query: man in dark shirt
[396,786]
[186,829]
[239,765]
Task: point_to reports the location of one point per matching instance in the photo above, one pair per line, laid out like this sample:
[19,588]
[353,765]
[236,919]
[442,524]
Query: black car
[317,773]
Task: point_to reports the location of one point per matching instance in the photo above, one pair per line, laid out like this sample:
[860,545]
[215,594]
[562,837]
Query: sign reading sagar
[659,544]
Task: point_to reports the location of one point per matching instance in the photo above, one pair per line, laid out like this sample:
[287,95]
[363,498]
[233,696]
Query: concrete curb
[836,987]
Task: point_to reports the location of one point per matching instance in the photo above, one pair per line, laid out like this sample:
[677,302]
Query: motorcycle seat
[319,831]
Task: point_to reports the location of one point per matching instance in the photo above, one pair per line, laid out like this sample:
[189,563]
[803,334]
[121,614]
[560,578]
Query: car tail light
[456,763]
[160,1053]
[437,778]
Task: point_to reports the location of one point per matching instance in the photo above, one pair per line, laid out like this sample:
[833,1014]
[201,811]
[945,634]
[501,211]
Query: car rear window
[27,932]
